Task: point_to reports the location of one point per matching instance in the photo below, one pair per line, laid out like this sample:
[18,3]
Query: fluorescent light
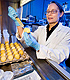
[23,2]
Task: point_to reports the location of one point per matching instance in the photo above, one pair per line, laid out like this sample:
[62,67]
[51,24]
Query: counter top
[45,69]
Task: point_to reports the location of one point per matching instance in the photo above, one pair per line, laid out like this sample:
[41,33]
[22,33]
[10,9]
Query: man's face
[53,13]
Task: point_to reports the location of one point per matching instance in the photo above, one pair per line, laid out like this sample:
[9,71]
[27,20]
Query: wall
[33,8]
[38,7]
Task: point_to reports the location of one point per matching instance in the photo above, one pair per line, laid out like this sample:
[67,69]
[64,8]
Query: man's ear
[61,14]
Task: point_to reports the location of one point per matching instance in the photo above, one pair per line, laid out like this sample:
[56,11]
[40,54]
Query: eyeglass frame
[52,12]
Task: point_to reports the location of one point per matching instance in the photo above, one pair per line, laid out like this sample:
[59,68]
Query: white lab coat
[57,47]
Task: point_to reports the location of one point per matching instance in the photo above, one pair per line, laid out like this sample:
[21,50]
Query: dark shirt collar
[52,29]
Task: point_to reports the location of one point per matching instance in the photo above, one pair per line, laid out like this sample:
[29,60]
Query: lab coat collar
[59,27]
[54,33]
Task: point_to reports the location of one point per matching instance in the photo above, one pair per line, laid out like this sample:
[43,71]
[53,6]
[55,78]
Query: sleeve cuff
[40,54]
[18,37]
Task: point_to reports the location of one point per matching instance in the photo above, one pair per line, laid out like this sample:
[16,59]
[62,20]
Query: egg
[19,49]
[15,43]
[3,58]
[2,44]
[15,52]
[11,43]
[7,45]
[21,52]
[7,49]
[27,30]
[13,49]
[17,56]
[9,53]
[3,48]
[3,54]
[6,41]
[2,51]
[10,57]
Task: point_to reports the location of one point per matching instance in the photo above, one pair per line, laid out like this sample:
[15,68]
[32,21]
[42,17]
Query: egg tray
[23,57]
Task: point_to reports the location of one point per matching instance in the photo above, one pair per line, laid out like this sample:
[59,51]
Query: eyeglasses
[52,11]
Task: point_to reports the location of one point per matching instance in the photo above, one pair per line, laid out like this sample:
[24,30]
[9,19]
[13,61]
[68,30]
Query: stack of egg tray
[23,57]
[21,68]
